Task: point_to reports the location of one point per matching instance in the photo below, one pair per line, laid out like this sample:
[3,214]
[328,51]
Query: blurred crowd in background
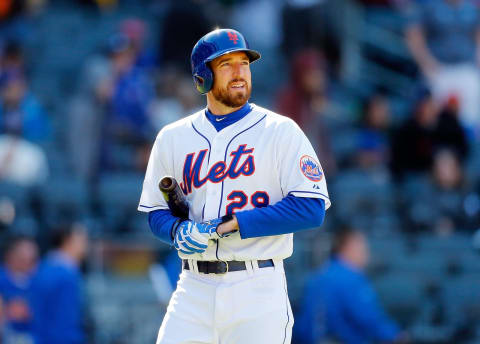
[388,91]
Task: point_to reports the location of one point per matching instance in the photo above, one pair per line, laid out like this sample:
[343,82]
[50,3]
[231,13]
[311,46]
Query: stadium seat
[455,243]
[20,196]
[344,143]
[118,196]
[470,261]
[402,296]
[366,198]
[461,297]
[25,225]
[65,199]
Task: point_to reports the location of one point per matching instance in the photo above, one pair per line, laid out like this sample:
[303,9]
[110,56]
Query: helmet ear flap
[199,81]
[203,79]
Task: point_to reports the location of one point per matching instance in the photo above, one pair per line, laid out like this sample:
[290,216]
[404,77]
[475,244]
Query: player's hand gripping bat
[174,197]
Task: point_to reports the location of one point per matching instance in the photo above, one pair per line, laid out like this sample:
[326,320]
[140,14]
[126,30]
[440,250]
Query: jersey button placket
[214,189]
[217,207]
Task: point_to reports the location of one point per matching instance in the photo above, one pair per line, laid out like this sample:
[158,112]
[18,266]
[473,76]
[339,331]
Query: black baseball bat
[174,197]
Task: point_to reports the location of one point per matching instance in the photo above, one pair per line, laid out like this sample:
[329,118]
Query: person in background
[15,285]
[432,127]
[339,301]
[12,59]
[132,93]
[137,31]
[447,172]
[57,290]
[86,115]
[22,162]
[449,133]
[20,112]
[414,142]
[373,147]
[449,191]
[443,37]
[127,126]
[440,204]
[305,99]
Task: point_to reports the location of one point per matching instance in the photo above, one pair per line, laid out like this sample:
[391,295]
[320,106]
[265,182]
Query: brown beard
[231,100]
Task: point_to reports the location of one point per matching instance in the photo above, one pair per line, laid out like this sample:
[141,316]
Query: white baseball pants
[240,307]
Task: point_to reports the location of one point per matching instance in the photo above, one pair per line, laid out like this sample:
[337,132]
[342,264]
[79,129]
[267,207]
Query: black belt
[221,267]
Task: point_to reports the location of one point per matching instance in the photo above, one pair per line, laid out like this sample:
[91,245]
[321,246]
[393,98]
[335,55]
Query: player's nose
[238,69]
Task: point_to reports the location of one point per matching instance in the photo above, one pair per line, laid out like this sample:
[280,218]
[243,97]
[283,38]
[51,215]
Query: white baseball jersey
[253,162]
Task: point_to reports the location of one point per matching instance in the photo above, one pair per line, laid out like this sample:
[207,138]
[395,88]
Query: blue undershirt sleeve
[291,214]
[161,222]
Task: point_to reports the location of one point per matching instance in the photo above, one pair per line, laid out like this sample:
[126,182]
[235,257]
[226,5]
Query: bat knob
[166,183]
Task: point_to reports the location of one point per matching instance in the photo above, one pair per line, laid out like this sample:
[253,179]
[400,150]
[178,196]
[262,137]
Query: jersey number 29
[239,200]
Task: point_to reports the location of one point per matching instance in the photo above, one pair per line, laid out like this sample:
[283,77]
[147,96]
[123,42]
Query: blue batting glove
[192,237]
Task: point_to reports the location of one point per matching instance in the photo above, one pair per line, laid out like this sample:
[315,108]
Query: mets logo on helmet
[232,36]
[311,168]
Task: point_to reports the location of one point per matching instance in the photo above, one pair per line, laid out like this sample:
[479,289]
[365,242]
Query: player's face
[232,79]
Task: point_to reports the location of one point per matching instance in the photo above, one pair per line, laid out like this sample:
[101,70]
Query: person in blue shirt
[16,274]
[21,113]
[340,303]
[57,290]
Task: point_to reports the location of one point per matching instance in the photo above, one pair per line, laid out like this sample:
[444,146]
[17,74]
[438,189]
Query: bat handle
[174,197]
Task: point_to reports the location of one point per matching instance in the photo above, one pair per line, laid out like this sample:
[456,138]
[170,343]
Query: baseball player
[251,179]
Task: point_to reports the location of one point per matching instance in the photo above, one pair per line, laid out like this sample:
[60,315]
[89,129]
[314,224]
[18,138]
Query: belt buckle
[225,269]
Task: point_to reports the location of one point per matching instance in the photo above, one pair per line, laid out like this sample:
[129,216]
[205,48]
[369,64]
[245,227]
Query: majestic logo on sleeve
[242,163]
[311,168]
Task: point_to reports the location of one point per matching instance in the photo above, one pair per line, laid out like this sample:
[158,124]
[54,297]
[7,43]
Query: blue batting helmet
[211,46]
